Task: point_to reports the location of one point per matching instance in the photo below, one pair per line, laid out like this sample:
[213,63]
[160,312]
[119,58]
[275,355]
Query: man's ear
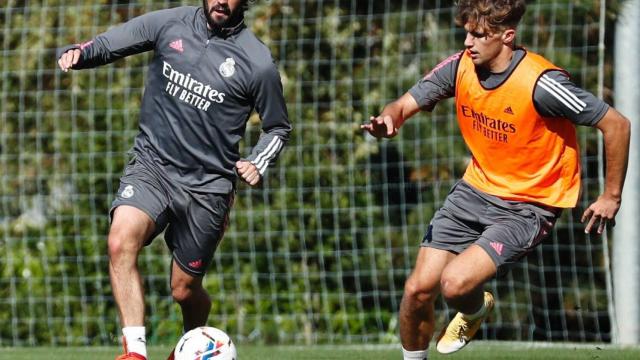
[509,36]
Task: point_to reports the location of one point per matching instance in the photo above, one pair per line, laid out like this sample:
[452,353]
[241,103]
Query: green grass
[475,351]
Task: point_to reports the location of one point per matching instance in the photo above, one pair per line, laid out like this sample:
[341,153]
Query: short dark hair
[491,15]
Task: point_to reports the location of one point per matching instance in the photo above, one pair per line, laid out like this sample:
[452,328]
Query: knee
[183,292]
[121,246]
[418,292]
[453,286]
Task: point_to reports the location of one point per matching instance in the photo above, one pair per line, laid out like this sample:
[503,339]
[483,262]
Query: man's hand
[602,211]
[380,126]
[248,172]
[68,59]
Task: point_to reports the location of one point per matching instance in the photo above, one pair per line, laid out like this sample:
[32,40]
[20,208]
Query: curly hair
[491,15]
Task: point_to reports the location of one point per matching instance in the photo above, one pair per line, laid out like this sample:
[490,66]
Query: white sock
[136,340]
[414,355]
[478,314]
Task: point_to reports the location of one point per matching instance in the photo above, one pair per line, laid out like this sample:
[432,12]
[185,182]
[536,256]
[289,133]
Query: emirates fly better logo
[491,128]
[187,89]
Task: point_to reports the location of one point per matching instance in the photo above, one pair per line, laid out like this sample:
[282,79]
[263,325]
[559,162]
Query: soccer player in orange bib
[517,113]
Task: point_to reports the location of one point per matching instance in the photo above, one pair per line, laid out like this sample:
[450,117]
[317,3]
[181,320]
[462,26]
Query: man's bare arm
[392,117]
[616,131]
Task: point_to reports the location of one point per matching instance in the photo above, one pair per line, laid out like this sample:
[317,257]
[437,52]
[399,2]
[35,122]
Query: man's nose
[468,41]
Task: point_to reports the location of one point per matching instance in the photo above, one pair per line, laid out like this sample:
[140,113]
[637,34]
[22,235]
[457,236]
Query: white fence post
[626,245]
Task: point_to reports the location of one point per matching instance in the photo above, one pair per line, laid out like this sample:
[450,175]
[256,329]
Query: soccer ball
[205,343]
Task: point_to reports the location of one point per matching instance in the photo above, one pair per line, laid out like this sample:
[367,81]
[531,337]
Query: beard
[232,17]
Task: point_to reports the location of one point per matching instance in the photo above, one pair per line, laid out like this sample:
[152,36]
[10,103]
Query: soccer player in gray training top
[207,75]
[517,113]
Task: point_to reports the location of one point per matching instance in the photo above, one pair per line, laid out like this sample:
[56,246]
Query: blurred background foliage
[319,252]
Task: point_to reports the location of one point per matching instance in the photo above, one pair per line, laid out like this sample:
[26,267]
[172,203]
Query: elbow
[286,133]
[626,126]
[616,127]
[623,129]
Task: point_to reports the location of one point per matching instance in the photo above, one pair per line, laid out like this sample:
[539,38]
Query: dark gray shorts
[194,222]
[506,230]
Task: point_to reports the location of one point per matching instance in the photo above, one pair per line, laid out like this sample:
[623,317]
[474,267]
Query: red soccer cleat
[130,355]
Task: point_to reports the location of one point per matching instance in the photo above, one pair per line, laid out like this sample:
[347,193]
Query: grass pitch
[475,351]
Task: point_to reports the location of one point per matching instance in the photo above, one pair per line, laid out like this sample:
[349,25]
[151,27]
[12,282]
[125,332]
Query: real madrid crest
[228,67]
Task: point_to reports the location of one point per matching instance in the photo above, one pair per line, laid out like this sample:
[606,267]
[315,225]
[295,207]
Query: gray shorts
[506,230]
[194,222]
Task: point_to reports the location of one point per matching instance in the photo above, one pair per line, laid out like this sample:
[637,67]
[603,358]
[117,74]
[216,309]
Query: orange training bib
[517,154]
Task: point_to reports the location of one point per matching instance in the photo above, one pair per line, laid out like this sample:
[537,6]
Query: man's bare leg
[463,279]
[130,229]
[417,319]
[194,300]
[462,287]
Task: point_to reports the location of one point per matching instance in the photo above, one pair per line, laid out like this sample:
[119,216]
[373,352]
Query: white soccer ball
[205,343]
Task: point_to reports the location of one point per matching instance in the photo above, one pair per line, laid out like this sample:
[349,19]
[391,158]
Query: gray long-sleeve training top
[201,88]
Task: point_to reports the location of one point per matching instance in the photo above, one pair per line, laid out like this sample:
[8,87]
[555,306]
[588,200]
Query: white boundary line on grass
[482,343]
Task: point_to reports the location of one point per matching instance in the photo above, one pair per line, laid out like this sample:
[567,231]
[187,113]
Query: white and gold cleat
[460,330]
